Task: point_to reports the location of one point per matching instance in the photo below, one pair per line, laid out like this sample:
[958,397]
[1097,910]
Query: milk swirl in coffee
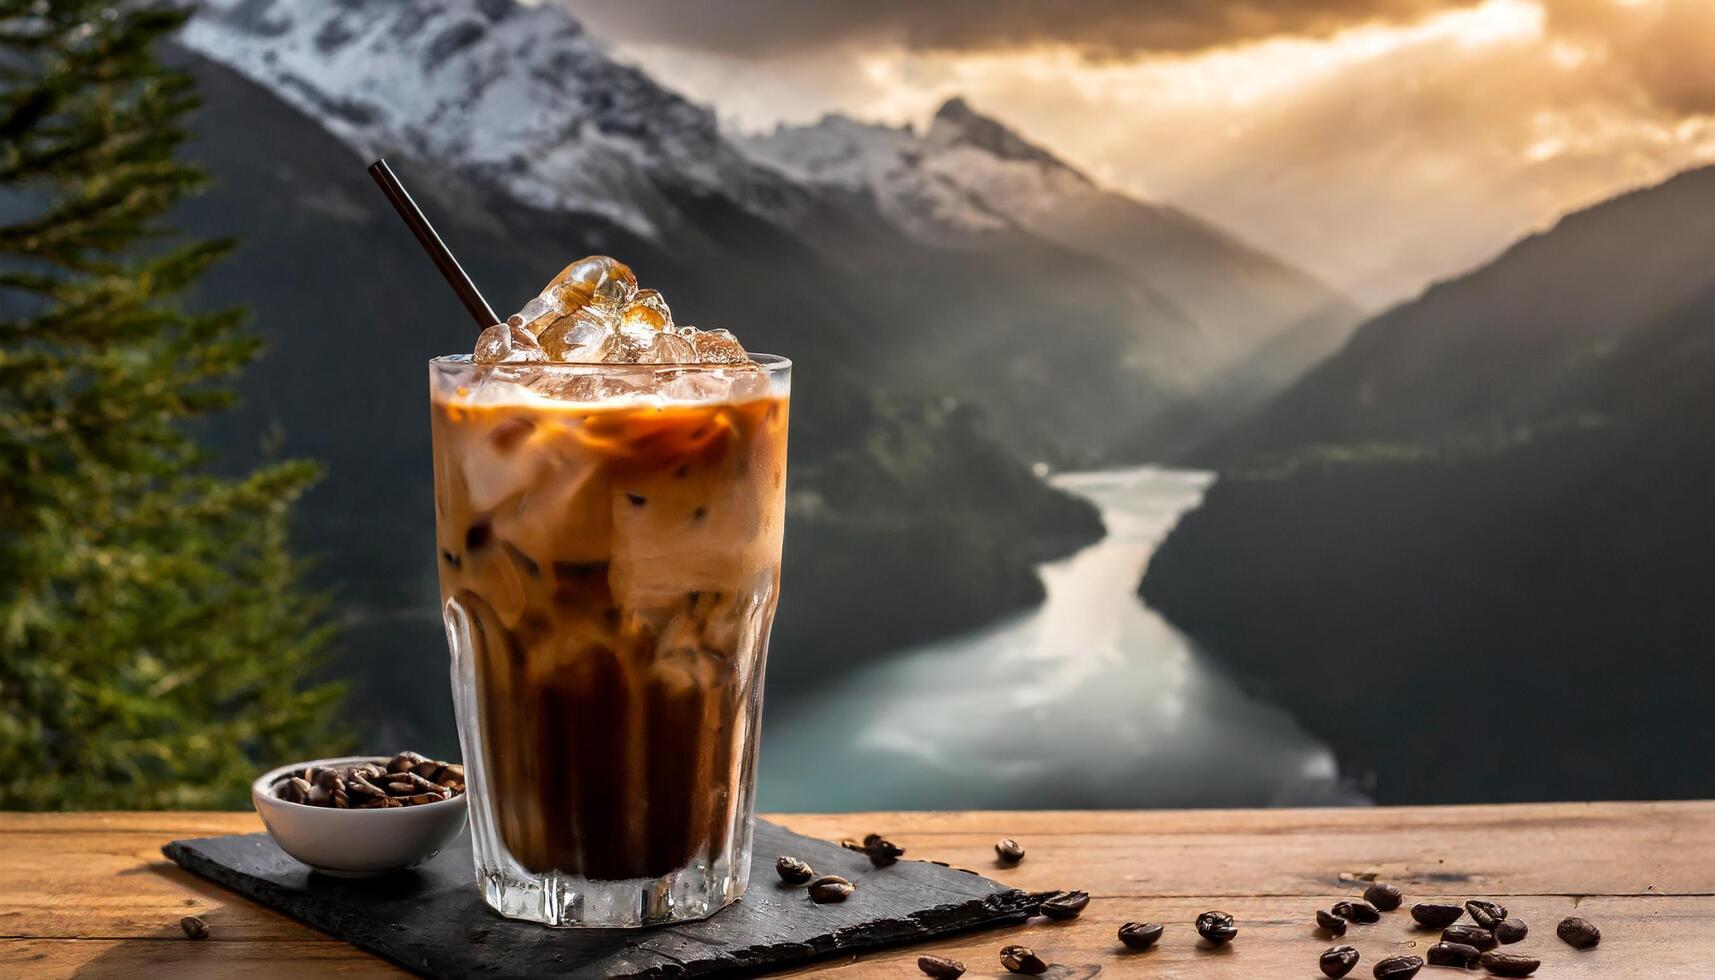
[609,493]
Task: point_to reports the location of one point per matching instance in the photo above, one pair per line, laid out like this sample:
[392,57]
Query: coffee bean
[194,927]
[792,871]
[1436,915]
[1470,935]
[295,789]
[1454,954]
[1398,967]
[1330,923]
[940,967]
[404,761]
[1008,851]
[1357,910]
[1578,933]
[1485,914]
[882,852]
[359,786]
[1064,905]
[1140,935]
[408,784]
[1337,961]
[1383,896]
[1509,965]
[1509,931]
[1022,959]
[830,888]
[1216,927]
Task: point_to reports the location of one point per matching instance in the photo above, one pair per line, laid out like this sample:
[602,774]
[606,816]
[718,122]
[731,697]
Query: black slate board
[433,920]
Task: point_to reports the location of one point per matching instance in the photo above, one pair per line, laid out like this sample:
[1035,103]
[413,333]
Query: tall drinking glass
[609,539]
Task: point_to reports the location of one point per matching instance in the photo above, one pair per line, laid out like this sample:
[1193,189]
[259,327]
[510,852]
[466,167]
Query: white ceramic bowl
[356,843]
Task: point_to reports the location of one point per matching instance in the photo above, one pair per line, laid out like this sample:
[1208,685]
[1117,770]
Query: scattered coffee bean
[1509,931]
[1064,905]
[1337,961]
[830,888]
[1578,933]
[1383,896]
[1357,910]
[1140,935]
[1470,935]
[1216,927]
[1436,915]
[881,851]
[1330,923]
[792,871]
[1509,965]
[1485,914]
[194,927]
[1454,954]
[1022,959]
[1398,967]
[407,779]
[940,967]
[1008,851]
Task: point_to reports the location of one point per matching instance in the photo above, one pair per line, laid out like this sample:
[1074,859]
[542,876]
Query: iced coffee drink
[609,492]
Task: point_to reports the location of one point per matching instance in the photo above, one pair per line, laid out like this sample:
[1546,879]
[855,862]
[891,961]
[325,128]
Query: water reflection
[1090,700]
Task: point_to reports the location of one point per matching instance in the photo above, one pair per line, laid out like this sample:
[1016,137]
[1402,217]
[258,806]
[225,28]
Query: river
[1089,700]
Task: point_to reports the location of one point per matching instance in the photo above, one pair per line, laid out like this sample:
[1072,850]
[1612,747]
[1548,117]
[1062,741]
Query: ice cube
[536,315]
[718,347]
[648,306]
[506,343]
[640,327]
[584,387]
[594,278]
[623,347]
[578,336]
[670,348]
[697,386]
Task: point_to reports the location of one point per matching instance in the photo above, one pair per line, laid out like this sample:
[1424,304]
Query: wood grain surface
[91,895]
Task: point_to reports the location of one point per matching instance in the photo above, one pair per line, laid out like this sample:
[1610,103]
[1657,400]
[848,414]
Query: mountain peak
[517,94]
[957,123]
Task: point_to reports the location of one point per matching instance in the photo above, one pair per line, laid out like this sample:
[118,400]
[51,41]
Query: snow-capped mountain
[518,95]
[966,176]
[968,179]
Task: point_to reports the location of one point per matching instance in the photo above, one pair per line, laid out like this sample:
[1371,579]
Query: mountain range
[1473,548]
[1070,333]
[1223,324]
[933,368]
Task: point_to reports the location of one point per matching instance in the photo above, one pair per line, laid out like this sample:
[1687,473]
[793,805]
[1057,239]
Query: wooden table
[90,894]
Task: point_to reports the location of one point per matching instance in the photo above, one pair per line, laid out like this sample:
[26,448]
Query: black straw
[449,267]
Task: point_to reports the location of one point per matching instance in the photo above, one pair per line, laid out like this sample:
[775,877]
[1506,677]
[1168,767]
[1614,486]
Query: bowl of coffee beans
[360,816]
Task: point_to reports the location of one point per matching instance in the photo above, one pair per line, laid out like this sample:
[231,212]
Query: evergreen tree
[155,642]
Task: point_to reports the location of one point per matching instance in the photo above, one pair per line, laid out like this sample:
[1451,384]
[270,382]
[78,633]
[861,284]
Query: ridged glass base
[562,900]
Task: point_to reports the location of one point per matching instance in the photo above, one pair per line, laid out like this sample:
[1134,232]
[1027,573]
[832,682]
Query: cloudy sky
[1378,143]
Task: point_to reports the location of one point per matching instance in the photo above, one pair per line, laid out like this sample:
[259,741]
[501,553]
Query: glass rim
[771,364]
